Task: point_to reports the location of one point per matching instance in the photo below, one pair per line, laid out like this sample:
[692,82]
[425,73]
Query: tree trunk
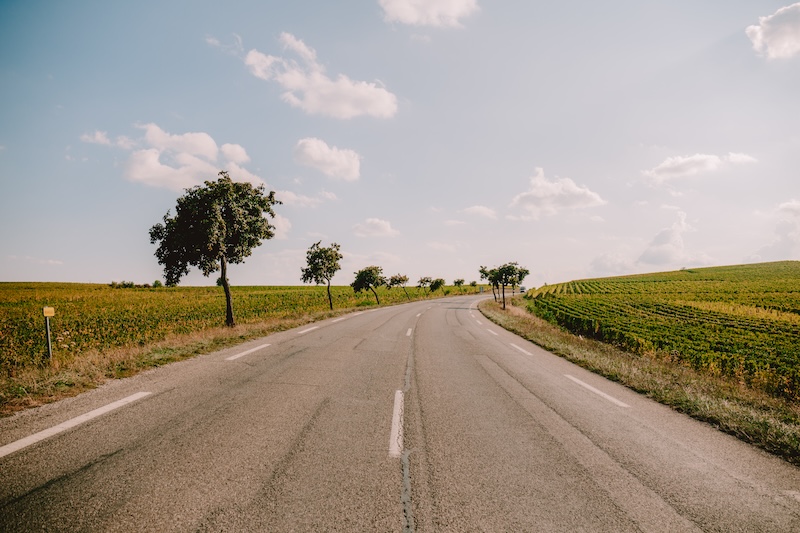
[330,299]
[407,296]
[376,295]
[228,302]
[504,297]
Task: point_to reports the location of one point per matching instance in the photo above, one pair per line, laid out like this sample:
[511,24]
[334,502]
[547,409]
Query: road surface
[418,417]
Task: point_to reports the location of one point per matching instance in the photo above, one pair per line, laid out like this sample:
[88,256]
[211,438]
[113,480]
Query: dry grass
[752,416]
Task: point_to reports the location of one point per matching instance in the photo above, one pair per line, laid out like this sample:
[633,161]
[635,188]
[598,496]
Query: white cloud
[546,197]
[331,161]
[481,210]
[428,12]
[683,166]
[308,87]
[777,36]
[235,153]
[668,249]
[454,223]
[374,227]
[178,162]
[282,227]
[98,137]
[786,242]
[299,200]
[611,264]
[199,144]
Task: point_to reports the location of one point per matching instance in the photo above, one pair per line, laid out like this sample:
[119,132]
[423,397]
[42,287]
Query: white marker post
[48,312]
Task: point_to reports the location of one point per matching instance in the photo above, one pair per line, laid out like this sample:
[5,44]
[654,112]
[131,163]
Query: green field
[97,318]
[741,322]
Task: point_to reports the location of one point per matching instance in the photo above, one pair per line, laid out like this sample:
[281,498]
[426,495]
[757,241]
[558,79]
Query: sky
[429,137]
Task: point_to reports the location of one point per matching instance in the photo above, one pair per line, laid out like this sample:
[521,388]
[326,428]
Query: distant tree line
[222,221]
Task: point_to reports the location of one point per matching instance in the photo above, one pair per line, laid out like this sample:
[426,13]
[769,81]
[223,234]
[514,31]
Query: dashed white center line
[238,355]
[307,330]
[597,391]
[396,433]
[479,322]
[419,315]
[526,352]
[408,333]
[78,420]
[492,332]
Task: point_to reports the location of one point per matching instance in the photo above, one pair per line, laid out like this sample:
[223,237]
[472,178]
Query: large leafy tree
[369,278]
[323,263]
[437,284]
[491,275]
[216,224]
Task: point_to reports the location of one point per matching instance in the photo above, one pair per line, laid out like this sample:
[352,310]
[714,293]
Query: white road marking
[479,322]
[492,332]
[78,420]
[408,333]
[597,391]
[419,315]
[526,352]
[396,434]
[238,355]
[307,330]
[340,319]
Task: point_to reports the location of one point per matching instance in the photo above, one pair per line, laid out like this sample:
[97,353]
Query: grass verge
[753,416]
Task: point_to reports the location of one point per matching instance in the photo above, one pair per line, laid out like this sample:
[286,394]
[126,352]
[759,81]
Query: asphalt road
[419,417]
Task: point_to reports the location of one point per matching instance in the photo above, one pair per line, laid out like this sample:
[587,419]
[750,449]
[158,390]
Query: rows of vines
[742,322]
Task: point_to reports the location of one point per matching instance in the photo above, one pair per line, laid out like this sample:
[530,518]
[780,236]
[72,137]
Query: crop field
[98,317]
[741,322]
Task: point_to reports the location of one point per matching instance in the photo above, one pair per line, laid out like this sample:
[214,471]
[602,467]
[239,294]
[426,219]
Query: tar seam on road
[238,355]
[597,391]
[71,423]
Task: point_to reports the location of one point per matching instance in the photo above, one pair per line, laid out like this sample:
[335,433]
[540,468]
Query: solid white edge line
[340,319]
[492,332]
[396,434]
[71,423]
[526,352]
[597,391]
[238,355]
[307,330]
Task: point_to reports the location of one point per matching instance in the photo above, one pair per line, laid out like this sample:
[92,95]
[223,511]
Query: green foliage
[437,284]
[507,275]
[742,322]
[369,278]
[214,225]
[323,263]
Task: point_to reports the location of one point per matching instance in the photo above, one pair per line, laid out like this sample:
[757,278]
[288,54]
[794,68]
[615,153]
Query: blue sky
[428,137]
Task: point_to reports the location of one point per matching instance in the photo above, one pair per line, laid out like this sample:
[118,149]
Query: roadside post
[48,312]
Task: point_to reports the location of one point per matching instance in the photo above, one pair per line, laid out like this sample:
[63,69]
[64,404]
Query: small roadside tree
[215,225]
[323,263]
[510,274]
[399,280]
[424,283]
[490,275]
[459,283]
[370,278]
[437,284]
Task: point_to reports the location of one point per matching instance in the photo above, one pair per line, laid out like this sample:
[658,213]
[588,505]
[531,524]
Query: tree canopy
[216,224]
[369,278]
[323,263]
